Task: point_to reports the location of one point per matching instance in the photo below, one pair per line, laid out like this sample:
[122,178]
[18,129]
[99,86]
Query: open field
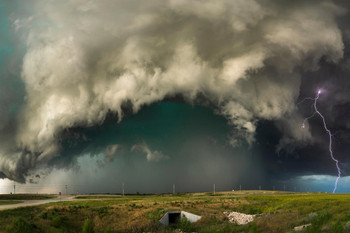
[278,212]
[25,196]
[97,196]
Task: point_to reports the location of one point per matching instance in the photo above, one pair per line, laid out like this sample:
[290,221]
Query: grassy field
[9,202]
[97,196]
[278,212]
[25,196]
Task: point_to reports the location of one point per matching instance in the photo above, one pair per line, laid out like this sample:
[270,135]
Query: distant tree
[88,227]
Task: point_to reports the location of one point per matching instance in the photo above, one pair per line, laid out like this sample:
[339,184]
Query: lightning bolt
[316,112]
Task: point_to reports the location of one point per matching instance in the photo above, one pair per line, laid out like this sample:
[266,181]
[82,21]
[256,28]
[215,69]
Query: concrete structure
[173,217]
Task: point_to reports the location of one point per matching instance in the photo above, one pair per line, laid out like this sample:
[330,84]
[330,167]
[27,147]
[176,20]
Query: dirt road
[36,202]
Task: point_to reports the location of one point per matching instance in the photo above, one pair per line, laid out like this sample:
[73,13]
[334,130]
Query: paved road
[36,202]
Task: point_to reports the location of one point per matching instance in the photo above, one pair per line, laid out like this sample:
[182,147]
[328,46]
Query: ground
[277,212]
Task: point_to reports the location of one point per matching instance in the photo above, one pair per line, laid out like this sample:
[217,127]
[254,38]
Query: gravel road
[36,202]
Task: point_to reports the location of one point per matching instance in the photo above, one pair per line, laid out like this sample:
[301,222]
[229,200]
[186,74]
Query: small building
[173,217]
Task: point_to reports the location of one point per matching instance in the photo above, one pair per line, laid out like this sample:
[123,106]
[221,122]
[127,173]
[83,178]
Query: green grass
[278,212]
[9,202]
[97,196]
[25,196]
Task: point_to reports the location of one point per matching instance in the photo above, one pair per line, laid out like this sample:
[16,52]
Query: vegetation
[19,225]
[185,225]
[25,197]
[88,227]
[97,196]
[277,212]
[9,202]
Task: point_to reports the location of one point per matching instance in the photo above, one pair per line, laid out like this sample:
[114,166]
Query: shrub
[253,210]
[312,216]
[19,225]
[347,226]
[55,230]
[44,215]
[185,225]
[88,226]
[57,221]
[337,228]
[322,219]
[318,222]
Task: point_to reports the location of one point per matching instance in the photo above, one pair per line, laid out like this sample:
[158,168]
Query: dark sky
[94,94]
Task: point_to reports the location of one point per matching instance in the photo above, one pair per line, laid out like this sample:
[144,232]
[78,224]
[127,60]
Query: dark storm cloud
[11,95]
[87,59]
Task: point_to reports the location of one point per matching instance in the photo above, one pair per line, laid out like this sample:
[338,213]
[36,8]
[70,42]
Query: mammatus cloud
[151,156]
[87,59]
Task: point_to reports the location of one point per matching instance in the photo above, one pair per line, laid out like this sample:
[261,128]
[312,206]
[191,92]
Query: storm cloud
[151,156]
[87,60]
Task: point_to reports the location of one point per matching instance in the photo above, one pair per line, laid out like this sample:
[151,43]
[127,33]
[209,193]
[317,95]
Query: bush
[185,225]
[252,210]
[57,222]
[322,219]
[88,226]
[347,226]
[312,216]
[19,225]
[55,230]
[318,222]
[43,215]
[337,228]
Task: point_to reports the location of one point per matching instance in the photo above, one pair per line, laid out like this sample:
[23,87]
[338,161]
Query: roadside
[8,202]
[25,203]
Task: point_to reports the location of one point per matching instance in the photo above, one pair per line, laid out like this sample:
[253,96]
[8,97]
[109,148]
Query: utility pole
[214,189]
[174,191]
[123,189]
[259,187]
[66,189]
[284,187]
[273,188]
[14,188]
[240,188]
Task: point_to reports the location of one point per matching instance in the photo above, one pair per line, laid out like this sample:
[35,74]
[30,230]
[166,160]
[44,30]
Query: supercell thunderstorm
[85,60]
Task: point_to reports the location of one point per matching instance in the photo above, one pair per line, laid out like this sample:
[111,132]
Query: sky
[96,94]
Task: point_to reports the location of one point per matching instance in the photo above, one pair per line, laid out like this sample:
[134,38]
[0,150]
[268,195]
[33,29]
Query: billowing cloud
[110,152]
[151,156]
[87,59]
